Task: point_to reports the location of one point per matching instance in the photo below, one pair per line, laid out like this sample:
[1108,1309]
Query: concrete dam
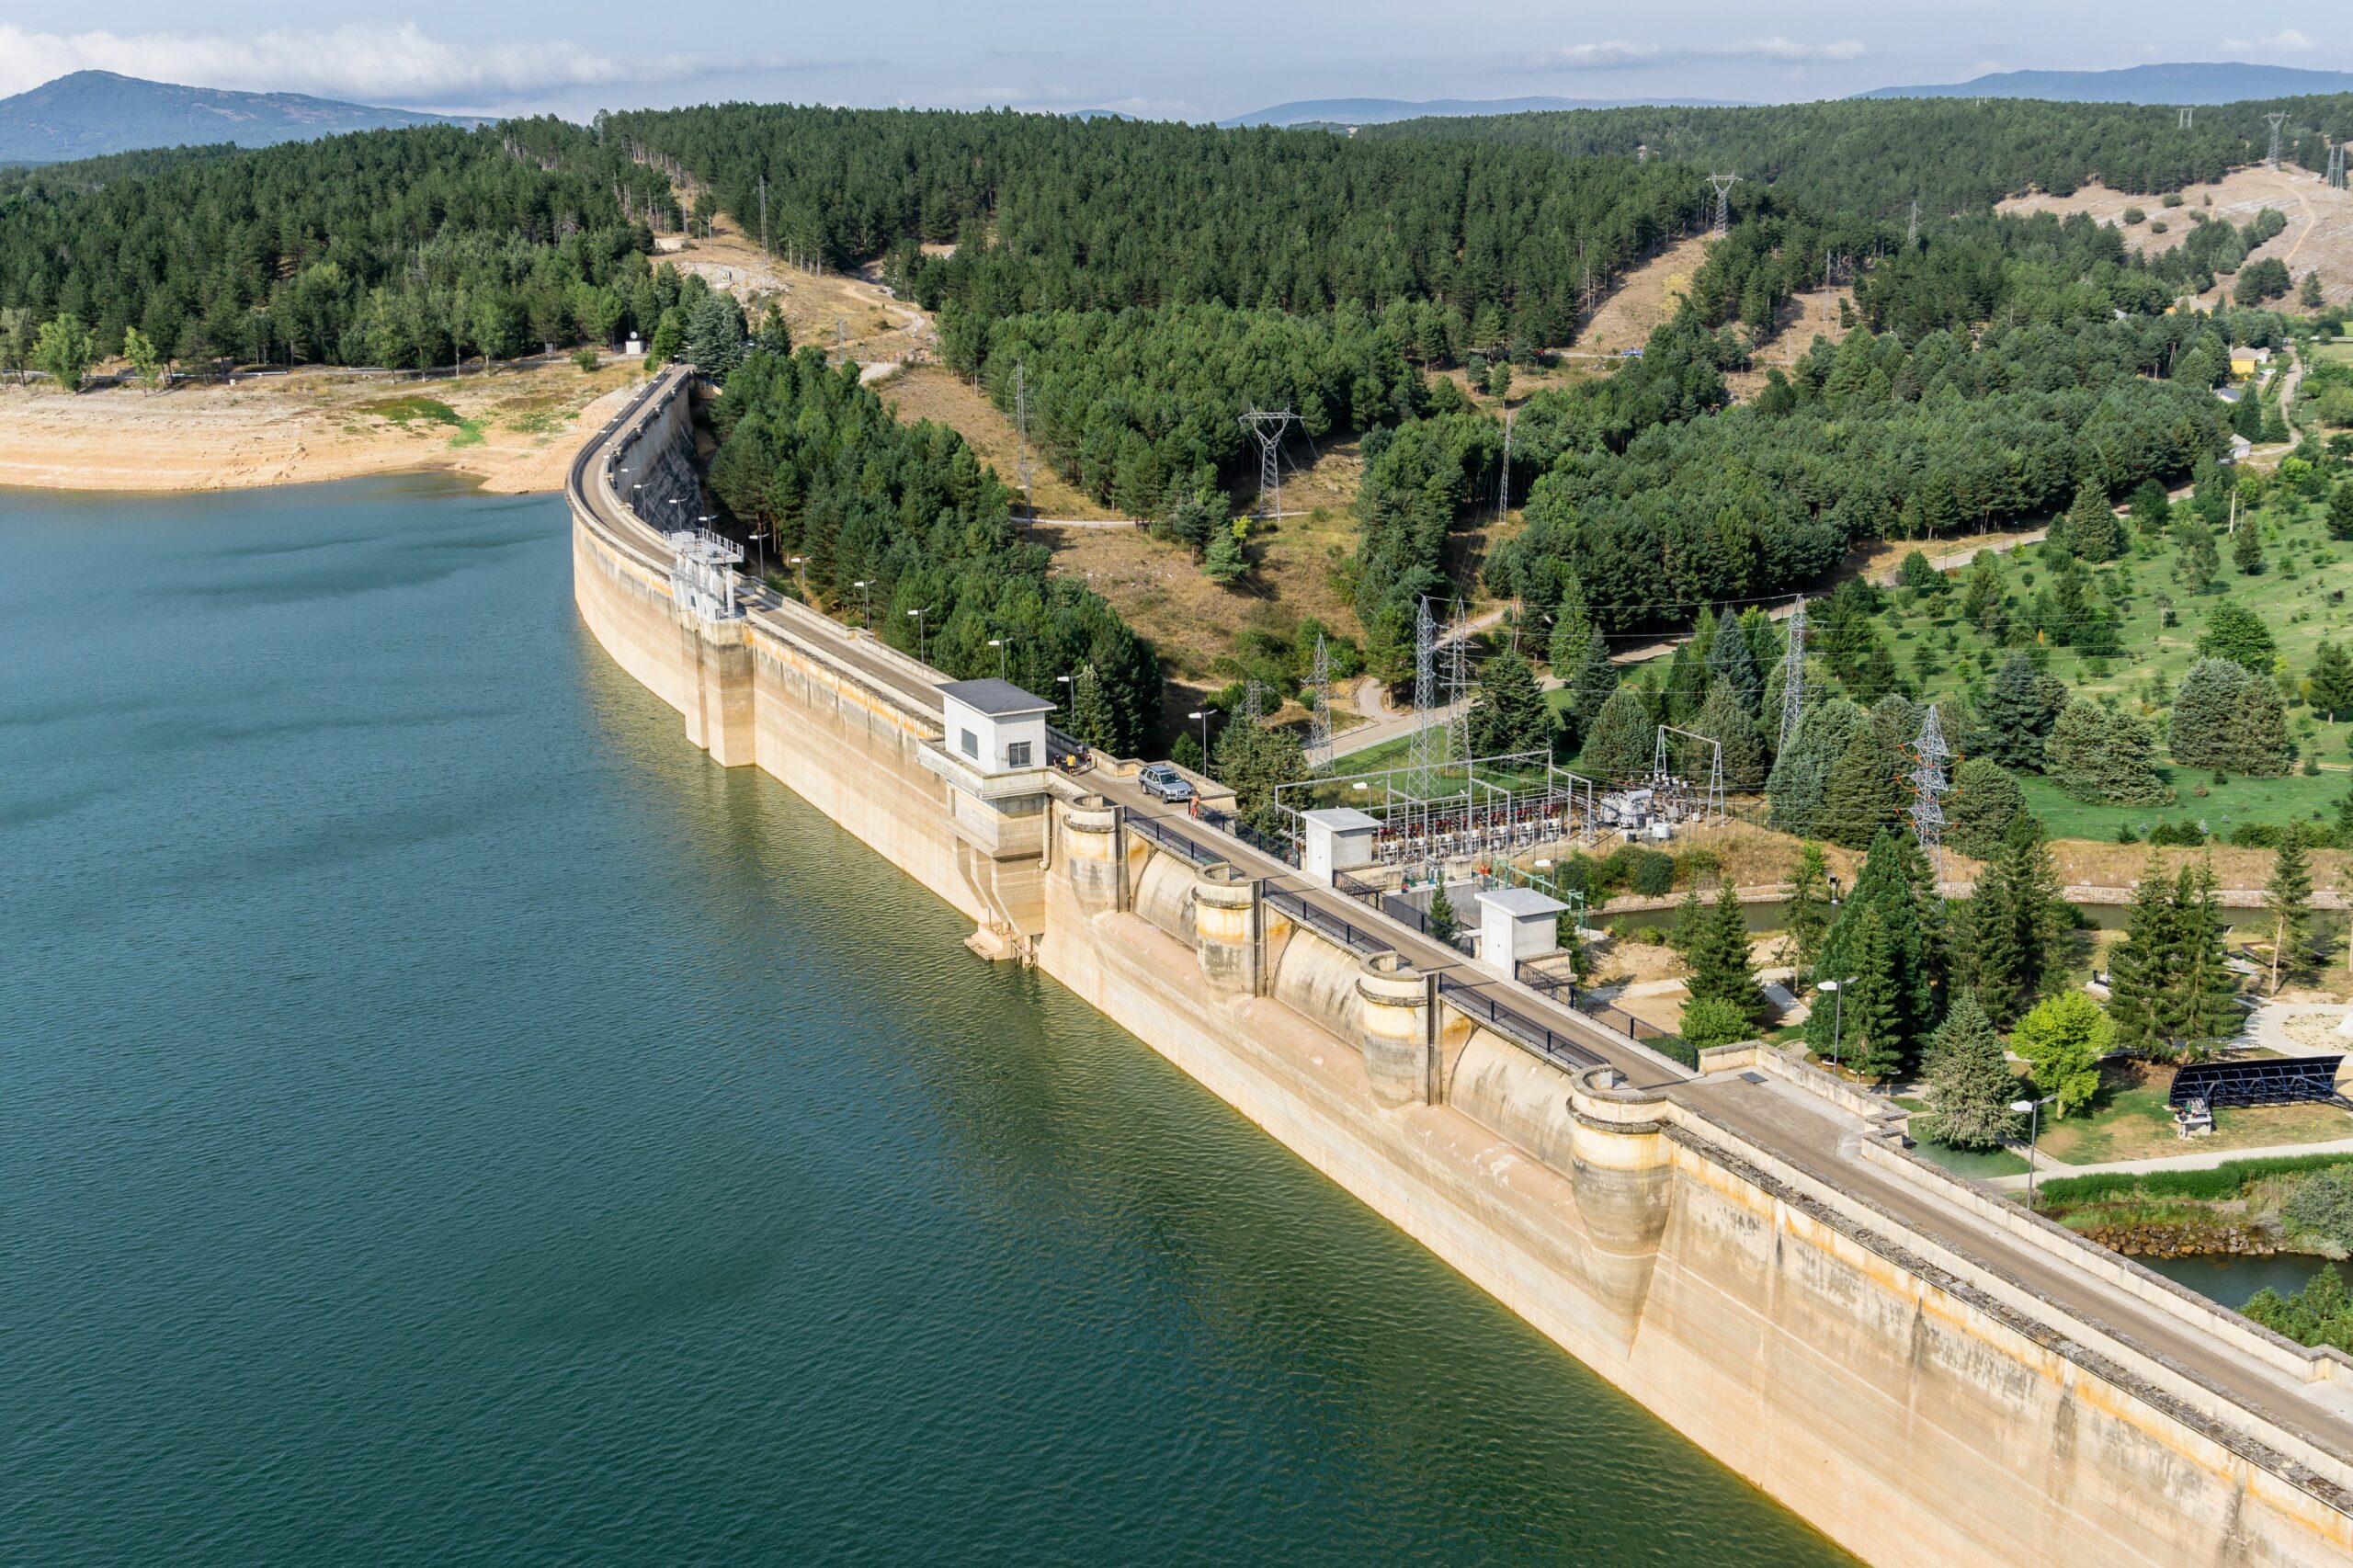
[1924,1371]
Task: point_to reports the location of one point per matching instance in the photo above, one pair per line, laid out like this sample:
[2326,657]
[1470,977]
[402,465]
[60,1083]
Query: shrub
[2323,1204]
[585,359]
[1653,874]
[1694,865]
[1712,1021]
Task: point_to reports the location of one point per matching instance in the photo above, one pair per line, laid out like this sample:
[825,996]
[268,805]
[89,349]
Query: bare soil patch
[938,394]
[2319,236]
[516,430]
[1645,299]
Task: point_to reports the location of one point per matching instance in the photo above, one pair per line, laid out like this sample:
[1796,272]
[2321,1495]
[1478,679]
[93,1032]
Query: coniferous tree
[2288,899]
[2017,921]
[1510,714]
[1801,773]
[1984,802]
[2091,524]
[2246,549]
[1722,719]
[2236,633]
[2227,719]
[2199,563]
[1731,660]
[1888,898]
[2199,1008]
[1805,915]
[1622,741]
[1592,681]
[1867,1016]
[2142,966]
[2329,688]
[2016,717]
[1858,798]
[2340,510]
[1091,716]
[1444,923]
[1252,760]
[1572,625]
[1981,603]
[1722,970]
[1683,936]
[1971,1085]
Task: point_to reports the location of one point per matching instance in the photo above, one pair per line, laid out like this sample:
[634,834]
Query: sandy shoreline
[517,432]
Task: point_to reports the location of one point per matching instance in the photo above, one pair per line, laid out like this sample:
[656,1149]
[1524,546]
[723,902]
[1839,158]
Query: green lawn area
[2131,1121]
[2222,807]
[1974,1164]
[2341,351]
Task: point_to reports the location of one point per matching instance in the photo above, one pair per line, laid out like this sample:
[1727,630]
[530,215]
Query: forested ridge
[396,247]
[1049,213]
[1875,157]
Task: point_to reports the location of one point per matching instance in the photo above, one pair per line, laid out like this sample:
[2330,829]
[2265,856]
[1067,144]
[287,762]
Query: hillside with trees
[1874,158]
[402,248]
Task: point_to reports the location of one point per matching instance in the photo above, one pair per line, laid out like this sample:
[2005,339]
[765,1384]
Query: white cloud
[2286,41]
[1618,53]
[378,65]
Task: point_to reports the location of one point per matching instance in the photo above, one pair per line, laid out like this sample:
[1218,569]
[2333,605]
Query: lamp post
[916,615]
[1837,989]
[2033,1110]
[999,644]
[867,589]
[1072,682]
[799,579]
[1203,715]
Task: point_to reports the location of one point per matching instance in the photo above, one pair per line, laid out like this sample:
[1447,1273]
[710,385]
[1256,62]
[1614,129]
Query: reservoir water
[444,1119]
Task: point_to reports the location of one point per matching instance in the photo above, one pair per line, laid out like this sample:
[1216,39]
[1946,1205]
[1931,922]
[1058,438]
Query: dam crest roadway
[1922,1368]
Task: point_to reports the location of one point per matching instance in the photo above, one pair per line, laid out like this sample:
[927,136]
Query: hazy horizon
[1213,61]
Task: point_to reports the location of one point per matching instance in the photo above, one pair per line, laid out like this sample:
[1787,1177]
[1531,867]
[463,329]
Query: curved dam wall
[1915,1401]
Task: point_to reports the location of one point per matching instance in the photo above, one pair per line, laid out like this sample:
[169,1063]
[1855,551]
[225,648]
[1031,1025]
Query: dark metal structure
[2274,1080]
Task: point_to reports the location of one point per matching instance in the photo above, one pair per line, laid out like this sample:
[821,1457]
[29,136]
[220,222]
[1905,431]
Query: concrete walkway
[2268,1027]
[2048,1169]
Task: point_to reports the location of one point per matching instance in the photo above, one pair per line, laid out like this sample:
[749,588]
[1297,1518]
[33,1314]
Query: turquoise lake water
[447,1120]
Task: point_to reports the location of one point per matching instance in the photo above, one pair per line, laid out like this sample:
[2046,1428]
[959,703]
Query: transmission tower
[1930,783]
[1458,692]
[1678,796]
[1319,723]
[1793,679]
[2276,118]
[2337,166]
[764,214]
[1022,421]
[1269,428]
[1721,185]
[2185,118]
[1421,751]
[1911,229]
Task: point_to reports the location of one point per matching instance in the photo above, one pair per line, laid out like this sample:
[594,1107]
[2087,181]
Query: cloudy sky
[1203,60]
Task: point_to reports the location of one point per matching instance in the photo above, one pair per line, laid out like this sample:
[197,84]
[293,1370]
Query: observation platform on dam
[2124,1325]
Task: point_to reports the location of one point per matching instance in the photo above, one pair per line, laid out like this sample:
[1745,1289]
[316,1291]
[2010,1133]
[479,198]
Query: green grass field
[2222,807]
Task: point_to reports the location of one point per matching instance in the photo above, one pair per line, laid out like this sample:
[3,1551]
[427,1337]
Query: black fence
[1354,938]
[2277,1080]
[1474,1002]
[1402,910]
[1176,843]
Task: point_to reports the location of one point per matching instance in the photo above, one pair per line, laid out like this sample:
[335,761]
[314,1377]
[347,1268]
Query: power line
[1721,185]
[2276,118]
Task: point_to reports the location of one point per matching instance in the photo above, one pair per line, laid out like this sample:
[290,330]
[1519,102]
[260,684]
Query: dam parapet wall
[1922,1370]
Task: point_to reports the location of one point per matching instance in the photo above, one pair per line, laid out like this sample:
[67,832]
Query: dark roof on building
[997,699]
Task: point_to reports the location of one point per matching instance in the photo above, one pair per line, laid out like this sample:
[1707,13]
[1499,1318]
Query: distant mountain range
[1381,111]
[2222,82]
[91,113]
